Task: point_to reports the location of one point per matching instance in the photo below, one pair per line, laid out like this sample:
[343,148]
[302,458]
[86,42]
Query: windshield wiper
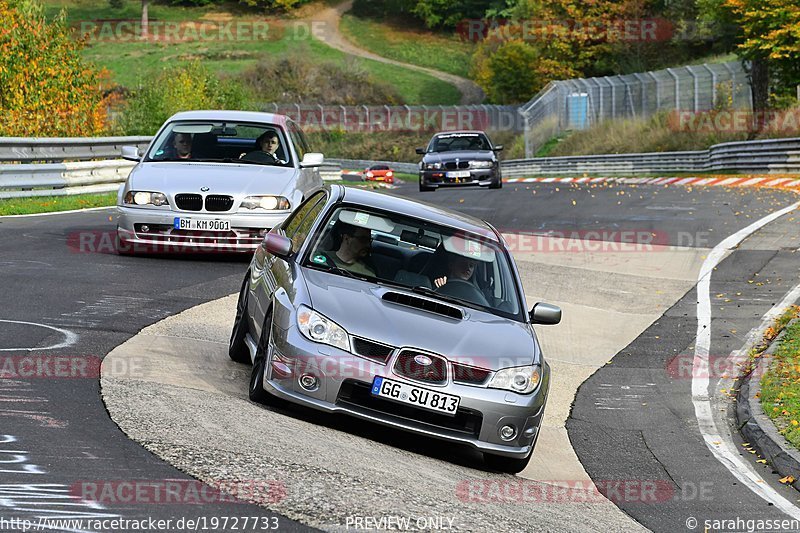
[341,271]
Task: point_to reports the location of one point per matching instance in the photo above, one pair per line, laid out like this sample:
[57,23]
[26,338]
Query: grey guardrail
[63,179]
[22,149]
[765,156]
[76,176]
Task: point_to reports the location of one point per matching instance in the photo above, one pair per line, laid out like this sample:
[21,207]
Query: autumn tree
[768,35]
[46,88]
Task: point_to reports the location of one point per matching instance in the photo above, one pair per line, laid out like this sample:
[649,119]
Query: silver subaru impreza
[400,313]
[214,181]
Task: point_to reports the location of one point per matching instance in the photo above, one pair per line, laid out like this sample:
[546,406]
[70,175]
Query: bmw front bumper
[153,230]
[477,177]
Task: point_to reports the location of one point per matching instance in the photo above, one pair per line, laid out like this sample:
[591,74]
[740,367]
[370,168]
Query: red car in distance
[378,173]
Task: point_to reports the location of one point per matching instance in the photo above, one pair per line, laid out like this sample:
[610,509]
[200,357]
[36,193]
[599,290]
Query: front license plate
[404,393]
[458,174]
[196,224]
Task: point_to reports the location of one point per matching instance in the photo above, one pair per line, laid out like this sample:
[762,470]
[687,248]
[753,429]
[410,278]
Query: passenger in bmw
[354,247]
[182,144]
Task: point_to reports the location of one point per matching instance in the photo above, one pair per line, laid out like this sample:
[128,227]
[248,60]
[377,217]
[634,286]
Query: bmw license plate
[446,404]
[197,224]
[458,174]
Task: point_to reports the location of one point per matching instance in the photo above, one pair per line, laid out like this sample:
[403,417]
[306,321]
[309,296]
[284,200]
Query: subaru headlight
[318,328]
[157,199]
[522,379]
[267,203]
[481,164]
[432,166]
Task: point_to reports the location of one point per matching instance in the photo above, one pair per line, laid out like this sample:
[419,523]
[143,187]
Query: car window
[222,142]
[299,223]
[450,142]
[299,140]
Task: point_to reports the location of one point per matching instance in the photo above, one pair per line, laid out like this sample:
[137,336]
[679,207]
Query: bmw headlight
[157,199]
[481,164]
[318,328]
[268,203]
[522,379]
[432,166]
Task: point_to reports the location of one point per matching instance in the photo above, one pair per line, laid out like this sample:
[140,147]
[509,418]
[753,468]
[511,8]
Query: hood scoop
[424,304]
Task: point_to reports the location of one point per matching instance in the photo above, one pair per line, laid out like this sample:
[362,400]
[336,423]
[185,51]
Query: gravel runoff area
[173,389]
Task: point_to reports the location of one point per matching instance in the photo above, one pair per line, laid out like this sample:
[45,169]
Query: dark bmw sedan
[459,158]
[398,313]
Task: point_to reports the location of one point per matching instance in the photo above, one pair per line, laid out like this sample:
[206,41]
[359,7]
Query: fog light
[508,432]
[309,382]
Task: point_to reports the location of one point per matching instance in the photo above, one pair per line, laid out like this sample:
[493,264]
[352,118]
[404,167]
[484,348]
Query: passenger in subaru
[354,248]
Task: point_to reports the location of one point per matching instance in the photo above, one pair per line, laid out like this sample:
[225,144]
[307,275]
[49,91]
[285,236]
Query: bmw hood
[220,178]
[480,339]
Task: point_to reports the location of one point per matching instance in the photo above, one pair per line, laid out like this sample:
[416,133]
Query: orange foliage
[46,88]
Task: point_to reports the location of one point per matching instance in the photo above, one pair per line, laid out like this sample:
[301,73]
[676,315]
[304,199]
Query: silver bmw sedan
[214,181]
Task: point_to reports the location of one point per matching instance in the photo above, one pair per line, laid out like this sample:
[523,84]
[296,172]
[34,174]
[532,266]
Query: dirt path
[329,34]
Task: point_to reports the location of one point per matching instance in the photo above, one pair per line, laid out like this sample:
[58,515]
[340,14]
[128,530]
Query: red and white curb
[725,181]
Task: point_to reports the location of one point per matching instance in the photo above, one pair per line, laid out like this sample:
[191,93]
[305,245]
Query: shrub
[46,88]
[296,78]
[177,89]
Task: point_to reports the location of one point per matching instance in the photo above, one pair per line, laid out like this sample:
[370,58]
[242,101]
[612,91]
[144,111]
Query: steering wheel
[464,290]
[259,156]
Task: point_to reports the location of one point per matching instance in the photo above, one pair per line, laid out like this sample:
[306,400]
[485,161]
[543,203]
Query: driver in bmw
[268,144]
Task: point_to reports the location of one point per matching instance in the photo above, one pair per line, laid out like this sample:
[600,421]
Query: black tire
[507,465]
[423,188]
[237,348]
[256,390]
[497,184]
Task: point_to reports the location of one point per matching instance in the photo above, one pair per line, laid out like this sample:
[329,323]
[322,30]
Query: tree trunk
[759,79]
[145,21]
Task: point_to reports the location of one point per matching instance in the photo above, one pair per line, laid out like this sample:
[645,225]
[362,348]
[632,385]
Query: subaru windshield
[417,255]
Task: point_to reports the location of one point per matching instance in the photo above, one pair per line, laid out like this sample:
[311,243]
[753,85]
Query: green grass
[133,63]
[29,206]
[780,385]
[394,40]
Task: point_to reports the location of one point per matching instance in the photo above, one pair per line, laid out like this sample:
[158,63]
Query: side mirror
[498,148]
[131,153]
[312,159]
[278,245]
[545,314]
[420,151]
